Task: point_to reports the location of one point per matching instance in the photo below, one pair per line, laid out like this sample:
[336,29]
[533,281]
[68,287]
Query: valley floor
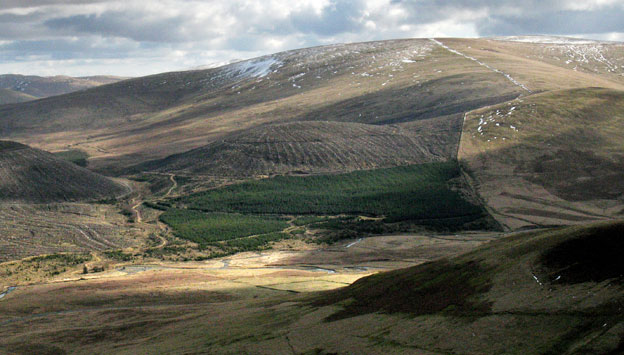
[85,313]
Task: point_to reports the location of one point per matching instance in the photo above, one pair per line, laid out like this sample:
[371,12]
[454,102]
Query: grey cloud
[123,24]
[339,17]
[559,22]
[16,27]
[61,49]
[15,4]
[511,17]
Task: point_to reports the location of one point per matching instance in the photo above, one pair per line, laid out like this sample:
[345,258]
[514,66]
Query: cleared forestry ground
[312,147]
[30,230]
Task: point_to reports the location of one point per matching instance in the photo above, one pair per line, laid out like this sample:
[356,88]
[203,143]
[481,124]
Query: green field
[208,228]
[417,192]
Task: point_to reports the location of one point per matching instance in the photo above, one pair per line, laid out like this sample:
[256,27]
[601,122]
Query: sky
[136,38]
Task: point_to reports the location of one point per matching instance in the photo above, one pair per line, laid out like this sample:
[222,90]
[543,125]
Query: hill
[386,82]
[8,96]
[32,175]
[548,159]
[551,292]
[309,147]
[39,87]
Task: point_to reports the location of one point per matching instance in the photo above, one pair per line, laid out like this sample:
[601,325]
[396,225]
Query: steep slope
[385,82]
[8,96]
[32,175]
[552,158]
[549,292]
[312,147]
[40,87]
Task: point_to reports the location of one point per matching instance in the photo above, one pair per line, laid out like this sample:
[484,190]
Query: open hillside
[305,147]
[39,87]
[32,175]
[546,292]
[8,96]
[548,159]
[387,82]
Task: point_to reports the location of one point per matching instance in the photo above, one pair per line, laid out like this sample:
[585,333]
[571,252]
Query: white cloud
[132,37]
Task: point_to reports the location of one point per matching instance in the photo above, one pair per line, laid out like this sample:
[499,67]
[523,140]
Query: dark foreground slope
[546,292]
[32,175]
[549,292]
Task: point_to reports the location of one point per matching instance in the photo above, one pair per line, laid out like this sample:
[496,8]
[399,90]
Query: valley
[351,198]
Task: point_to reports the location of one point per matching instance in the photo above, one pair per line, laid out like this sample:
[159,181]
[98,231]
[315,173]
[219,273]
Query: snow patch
[257,68]
[546,40]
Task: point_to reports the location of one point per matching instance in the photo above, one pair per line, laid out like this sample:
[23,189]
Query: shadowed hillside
[32,175]
[556,292]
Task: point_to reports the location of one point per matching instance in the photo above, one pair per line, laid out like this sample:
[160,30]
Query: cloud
[559,23]
[176,34]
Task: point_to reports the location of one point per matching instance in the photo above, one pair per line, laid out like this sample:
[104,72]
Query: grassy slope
[32,175]
[569,281]
[546,67]
[555,158]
